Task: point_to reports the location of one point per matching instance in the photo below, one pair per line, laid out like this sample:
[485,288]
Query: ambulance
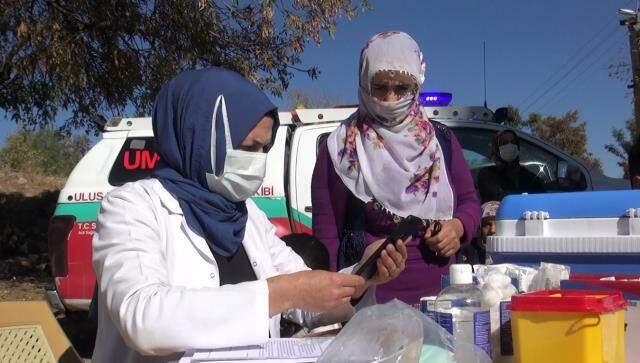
[126,152]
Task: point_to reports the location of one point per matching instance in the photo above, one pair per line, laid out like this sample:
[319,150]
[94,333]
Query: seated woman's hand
[447,242]
[312,290]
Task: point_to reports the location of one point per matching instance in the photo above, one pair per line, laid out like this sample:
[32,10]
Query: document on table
[274,350]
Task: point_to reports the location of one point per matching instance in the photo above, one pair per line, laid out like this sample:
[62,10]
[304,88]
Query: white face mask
[509,152]
[388,114]
[243,171]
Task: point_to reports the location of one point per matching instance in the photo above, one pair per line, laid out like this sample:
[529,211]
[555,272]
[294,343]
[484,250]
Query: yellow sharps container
[568,326]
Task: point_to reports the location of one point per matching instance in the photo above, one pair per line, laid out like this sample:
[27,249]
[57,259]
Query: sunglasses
[400,90]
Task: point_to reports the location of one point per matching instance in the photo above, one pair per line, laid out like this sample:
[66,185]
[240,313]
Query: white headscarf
[388,151]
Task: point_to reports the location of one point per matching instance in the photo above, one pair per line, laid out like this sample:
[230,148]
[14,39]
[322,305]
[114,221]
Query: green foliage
[623,141]
[297,98]
[43,151]
[565,132]
[514,119]
[89,58]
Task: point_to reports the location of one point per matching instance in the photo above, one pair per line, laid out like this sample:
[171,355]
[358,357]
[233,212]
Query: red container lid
[569,301]
[621,282]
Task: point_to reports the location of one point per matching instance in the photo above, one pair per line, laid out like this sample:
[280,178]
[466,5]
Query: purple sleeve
[328,197]
[467,204]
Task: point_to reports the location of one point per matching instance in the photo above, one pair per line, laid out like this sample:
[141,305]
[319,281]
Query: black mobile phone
[408,226]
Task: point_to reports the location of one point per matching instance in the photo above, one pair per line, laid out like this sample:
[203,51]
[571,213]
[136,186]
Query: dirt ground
[28,184]
[23,288]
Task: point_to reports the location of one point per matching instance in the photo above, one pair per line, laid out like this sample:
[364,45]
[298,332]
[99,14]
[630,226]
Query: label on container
[506,339]
[428,307]
[445,320]
[482,330]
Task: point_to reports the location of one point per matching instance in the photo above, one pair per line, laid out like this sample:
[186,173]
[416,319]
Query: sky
[560,50]
[541,56]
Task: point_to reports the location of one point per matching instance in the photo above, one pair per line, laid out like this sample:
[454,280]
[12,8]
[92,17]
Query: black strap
[443,134]
[352,241]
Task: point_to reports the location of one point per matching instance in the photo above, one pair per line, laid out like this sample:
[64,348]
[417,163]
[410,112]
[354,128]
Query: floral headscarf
[490,209]
[388,151]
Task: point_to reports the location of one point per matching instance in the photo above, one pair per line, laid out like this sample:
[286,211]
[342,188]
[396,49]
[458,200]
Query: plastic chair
[30,333]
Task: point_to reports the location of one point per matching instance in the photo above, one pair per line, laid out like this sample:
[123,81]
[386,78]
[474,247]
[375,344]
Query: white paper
[275,350]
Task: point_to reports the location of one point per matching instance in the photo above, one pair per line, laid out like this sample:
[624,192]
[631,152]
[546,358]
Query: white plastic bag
[549,276]
[395,332]
[523,274]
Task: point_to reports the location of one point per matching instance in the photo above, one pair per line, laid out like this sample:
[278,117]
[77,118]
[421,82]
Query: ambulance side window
[476,148]
[136,160]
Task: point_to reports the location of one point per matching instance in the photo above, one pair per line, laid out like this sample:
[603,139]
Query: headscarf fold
[182,122]
[388,151]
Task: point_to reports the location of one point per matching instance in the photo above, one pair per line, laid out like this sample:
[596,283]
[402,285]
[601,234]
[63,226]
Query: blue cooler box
[592,232]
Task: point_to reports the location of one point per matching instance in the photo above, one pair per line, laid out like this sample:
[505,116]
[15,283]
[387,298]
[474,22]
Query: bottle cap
[460,273]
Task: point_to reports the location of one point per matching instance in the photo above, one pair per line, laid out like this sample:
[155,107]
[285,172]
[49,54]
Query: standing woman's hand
[447,242]
[388,266]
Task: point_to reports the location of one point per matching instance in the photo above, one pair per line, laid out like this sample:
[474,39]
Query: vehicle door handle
[308,209]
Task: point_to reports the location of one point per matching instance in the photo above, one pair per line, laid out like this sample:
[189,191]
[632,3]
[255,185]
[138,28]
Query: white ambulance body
[126,153]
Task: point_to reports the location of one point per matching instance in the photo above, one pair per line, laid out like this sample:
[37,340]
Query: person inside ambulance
[507,176]
[185,260]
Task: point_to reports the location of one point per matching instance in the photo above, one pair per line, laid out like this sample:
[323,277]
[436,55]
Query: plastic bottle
[459,309]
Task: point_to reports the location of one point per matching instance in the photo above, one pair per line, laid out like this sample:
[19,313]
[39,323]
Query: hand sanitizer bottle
[459,309]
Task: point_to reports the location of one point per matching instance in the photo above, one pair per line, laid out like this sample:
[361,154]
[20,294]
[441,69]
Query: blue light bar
[435,98]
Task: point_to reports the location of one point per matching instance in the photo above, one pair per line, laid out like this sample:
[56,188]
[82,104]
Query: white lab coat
[159,285]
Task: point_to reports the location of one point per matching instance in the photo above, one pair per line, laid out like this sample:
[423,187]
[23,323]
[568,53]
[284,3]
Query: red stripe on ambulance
[80,279]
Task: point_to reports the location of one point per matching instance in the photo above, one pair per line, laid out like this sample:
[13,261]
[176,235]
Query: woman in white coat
[185,260]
